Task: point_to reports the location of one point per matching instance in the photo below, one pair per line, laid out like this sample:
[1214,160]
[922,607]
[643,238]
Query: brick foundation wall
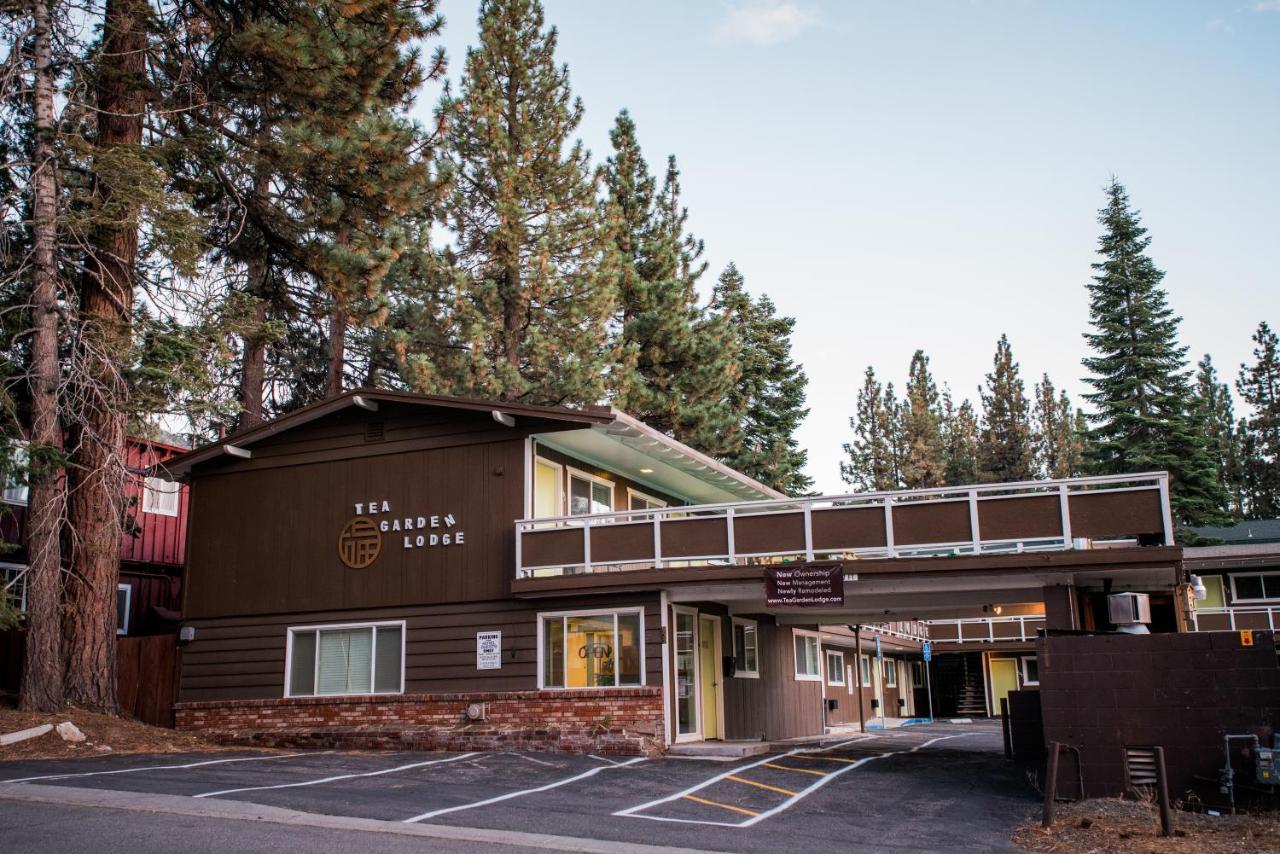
[1101,693]
[625,721]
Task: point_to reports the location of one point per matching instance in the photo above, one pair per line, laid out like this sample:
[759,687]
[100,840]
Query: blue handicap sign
[928,651]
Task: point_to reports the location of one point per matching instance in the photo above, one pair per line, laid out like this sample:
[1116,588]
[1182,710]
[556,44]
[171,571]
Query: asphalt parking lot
[925,788]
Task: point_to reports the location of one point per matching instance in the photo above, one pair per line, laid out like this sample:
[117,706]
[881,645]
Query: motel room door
[1004,678]
[709,674]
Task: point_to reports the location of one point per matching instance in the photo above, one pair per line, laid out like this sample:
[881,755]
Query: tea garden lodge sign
[360,541]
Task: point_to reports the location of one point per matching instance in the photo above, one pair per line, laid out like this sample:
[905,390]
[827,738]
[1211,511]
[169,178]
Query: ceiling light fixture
[646,471]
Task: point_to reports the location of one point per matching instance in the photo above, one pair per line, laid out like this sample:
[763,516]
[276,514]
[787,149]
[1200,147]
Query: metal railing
[1271,612]
[735,517]
[913,630]
[1027,629]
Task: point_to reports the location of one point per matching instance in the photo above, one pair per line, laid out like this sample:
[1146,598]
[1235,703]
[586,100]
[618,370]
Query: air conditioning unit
[1129,609]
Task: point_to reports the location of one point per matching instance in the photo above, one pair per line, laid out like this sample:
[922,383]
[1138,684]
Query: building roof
[1250,531]
[238,444]
[1231,556]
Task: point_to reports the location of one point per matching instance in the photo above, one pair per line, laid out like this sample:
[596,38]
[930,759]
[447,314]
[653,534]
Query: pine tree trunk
[106,306]
[337,347]
[42,675]
[253,369]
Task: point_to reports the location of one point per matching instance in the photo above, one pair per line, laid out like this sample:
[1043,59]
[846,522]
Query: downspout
[857,642]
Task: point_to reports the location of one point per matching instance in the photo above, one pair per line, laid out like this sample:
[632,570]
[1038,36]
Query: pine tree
[1005,452]
[1059,433]
[1213,415]
[923,463]
[769,393]
[1259,385]
[960,441]
[676,363]
[870,464]
[1141,392]
[527,230]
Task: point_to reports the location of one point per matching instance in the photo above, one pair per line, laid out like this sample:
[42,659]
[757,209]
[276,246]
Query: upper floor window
[640,501]
[589,494]
[160,496]
[1255,586]
[124,599]
[15,488]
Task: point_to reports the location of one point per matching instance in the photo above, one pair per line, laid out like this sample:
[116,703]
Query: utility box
[1129,609]
[1266,769]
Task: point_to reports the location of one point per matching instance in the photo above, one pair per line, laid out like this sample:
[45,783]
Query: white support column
[728,532]
[586,545]
[1064,508]
[888,525]
[808,531]
[974,533]
[519,558]
[1164,504]
[656,520]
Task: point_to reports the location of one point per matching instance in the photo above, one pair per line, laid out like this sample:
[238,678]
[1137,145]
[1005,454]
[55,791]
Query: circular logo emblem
[359,542]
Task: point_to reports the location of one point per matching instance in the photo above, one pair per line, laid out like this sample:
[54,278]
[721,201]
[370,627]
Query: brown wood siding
[844,527]
[694,537]
[777,532]
[243,658]
[265,540]
[931,522]
[1020,518]
[776,705]
[1107,513]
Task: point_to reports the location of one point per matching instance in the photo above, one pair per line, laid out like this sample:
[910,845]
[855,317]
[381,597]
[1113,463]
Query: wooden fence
[146,674]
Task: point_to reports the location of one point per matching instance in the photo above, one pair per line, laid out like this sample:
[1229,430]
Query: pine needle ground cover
[1109,825]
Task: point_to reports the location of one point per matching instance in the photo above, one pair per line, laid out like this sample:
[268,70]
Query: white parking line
[523,792]
[337,777]
[637,811]
[163,767]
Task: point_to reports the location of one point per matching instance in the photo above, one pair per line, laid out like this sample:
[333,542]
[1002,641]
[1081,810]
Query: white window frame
[562,492]
[865,672]
[1263,598]
[373,655]
[739,670]
[543,616]
[827,655]
[150,504]
[128,607]
[1022,670]
[632,492]
[587,476]
[796,636]
[917,669]
[890,672]
[19,493]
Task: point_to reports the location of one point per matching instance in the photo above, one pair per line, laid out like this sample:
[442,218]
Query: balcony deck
[998,518]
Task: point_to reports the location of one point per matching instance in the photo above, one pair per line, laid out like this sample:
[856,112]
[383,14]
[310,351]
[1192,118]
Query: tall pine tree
[1005,452]
[923,464]
[540,281]
[769,394]
[961,439]
[870,466]
[1259,385]
[676,364]
[1059,433]
[1213,415]
[1141,395]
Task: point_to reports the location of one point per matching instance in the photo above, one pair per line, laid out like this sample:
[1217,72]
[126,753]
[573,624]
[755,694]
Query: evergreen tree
[1138,372]
[1005,452]
[870,466]
[895,431]
[1213,415]
[960,441]
[923,463]
[1259,385]
[1059,433]
[528,234]
[676,364]
[769,393]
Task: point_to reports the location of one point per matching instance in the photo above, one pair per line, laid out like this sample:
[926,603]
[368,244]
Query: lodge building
[385,568]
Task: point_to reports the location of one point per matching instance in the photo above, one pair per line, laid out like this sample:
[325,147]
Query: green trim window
[349,659]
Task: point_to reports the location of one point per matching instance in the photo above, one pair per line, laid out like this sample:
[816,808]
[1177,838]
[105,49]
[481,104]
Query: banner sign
[804,586]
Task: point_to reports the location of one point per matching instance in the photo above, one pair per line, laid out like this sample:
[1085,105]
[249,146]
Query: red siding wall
[158,539]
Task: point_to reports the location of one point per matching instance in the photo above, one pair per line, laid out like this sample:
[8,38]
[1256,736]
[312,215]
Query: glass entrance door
[686,673]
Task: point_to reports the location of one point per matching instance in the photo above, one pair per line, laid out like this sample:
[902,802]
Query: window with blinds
[353,659]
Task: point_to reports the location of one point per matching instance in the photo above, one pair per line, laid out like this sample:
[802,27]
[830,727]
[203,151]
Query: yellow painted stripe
[742,810]
[826,759]
[797,770]
[778,789]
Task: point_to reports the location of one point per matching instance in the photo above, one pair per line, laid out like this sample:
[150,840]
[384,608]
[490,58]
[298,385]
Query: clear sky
[902,174]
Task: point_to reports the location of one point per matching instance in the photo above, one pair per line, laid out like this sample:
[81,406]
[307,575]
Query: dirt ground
[104,735]
[1112,825]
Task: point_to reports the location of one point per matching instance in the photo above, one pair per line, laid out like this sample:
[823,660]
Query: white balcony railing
[1237,618]
[966,520]
[986,629]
